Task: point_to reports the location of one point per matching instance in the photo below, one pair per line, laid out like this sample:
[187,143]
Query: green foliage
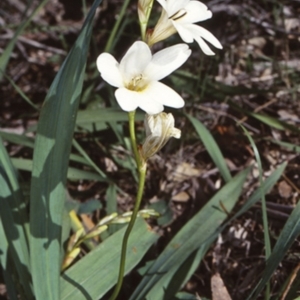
[34,235]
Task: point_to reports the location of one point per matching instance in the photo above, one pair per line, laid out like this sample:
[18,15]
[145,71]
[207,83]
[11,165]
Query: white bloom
[179,15]
[159,129]
[137,75]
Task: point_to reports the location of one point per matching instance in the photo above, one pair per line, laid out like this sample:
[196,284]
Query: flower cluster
[137,75]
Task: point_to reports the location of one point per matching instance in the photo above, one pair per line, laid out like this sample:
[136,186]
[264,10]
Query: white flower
[179,15]
[159,129]
[137,75]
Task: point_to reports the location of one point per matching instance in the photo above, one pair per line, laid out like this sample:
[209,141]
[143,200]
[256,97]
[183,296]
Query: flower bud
[159,129]
[144,8]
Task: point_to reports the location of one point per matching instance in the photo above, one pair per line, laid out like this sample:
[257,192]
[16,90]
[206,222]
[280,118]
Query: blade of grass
[6,265]
[73,173]
[88,159]
[17,213]
[29,142]
[211,147]
[263,204]
[286,145]
[15,238]
[20,92]
[192,236]
[109,114]
[50,165]
[263,199]
[274,122]
[111,205]
[108,46]
[289,233]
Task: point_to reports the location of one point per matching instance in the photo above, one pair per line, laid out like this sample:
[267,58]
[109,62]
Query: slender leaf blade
[14,220]
[289,233]
[50,164]
[211,147]
[192,236]
[97,272]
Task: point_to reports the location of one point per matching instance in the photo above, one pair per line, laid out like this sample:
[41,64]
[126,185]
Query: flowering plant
[137,77]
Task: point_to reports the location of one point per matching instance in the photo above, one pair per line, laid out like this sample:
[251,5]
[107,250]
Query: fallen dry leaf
[219,290]
[181,197]
[284,189]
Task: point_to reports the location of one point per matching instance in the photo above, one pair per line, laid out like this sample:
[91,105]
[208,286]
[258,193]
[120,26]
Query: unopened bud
[159,129]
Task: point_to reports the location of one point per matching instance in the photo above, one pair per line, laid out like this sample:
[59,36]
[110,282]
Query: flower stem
[131,116]
[143,25]
[142,167]
[113,33]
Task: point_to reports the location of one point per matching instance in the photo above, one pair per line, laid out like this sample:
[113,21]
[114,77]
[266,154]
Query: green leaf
[274,122]
[15,222]
[185,296]
[24,140]
[111,205]
[266,186]
[211,147]
[96,273]
[50,165]
[289,233]
[289,146]
[110,114]
[6,265]
[73,173]
[189,239]
[17,139]
[88,159]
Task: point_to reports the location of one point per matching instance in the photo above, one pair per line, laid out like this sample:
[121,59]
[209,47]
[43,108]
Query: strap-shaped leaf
[97,272]
[289,233]
[192,236]
[211,147]
[50,165]
[15,224]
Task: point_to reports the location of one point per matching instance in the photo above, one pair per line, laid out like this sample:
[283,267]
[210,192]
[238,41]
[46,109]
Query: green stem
[143,25]
[116,26]
[142,176]
[131,116]
[142,167]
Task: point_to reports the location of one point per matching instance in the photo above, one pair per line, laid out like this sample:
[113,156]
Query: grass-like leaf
[289,233]
[73,173]
[96,273]
[211,147]
[108,114]
[190,238]
[6,265]
[50,165]
[15,224]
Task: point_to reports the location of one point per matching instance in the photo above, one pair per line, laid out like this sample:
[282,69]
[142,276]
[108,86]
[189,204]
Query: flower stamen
[136,83]
[178,15]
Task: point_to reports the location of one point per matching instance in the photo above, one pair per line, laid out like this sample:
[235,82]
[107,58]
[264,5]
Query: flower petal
[163,3]
[173,6]
[109,69]
[196,12]
[166,61]
[204,47]
[127,99]
[150,106]
[184,32]
[205,34]
[135,60]
[160,93]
